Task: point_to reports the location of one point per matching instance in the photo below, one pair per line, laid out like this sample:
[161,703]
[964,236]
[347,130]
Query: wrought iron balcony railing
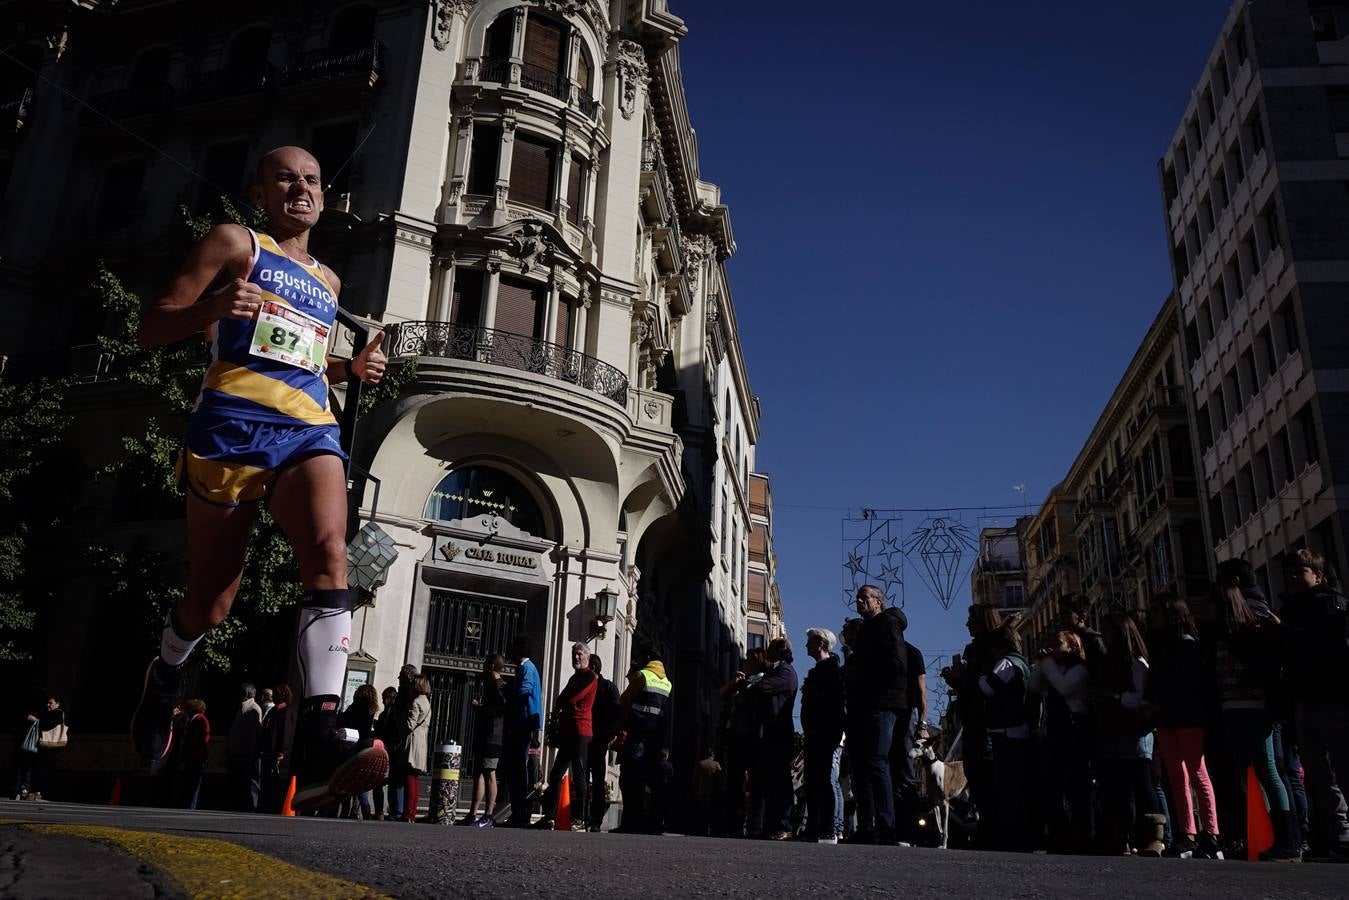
[521,352]
[366,62]
[545,81]
[541,80]
[495,70]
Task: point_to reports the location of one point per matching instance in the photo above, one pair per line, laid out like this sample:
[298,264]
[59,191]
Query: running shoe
[333,763]
[152,723]
[485,822]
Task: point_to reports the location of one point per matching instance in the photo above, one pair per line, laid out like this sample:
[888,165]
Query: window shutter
[575,197]
[544,43]
[758,544]
[584,71]
[758,592]
[532,172]
[482,166]
[467,306]
[517,307]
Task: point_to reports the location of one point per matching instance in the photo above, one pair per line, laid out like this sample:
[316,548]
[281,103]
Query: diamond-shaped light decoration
[369,555]
[941,545]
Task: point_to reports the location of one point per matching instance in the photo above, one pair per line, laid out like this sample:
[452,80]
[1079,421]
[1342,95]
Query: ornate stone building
[1125,522]
[515,195]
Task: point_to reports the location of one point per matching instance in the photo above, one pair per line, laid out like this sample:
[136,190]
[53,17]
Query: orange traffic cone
[290,795]
[562,821]
[116,798]
[1259,829]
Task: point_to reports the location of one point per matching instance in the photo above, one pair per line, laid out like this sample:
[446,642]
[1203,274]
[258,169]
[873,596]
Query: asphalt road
[403,860]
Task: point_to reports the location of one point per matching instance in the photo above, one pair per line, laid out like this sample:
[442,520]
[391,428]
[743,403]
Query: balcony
[449,340]
[364,66]
[538,79]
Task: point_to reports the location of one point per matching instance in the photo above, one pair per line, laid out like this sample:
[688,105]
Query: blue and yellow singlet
[263,405]
[274,368]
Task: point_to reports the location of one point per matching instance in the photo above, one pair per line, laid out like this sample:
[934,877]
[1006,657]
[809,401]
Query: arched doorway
[485,583]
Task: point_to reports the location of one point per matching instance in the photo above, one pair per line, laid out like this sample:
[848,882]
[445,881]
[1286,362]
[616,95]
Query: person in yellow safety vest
[639,743]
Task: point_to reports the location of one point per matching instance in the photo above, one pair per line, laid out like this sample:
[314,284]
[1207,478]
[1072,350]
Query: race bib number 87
[291,337]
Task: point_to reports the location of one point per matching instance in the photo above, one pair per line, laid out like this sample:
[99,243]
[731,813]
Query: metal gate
[461,630]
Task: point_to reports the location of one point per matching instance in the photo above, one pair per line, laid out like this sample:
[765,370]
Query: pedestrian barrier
[445,784]
[1259,829]
[562,821]
[286,809]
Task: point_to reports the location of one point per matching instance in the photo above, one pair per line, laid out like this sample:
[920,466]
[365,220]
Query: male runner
[262,429]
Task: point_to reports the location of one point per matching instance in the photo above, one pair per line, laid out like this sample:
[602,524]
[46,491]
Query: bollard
[445,783]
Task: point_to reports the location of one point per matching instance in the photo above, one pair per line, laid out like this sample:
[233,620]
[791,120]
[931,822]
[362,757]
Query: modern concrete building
[1258,221]
[514,194]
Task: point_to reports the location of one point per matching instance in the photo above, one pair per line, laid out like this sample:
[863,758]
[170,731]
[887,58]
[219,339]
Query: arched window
[481,490]
[545,43]
[248,53]
[353,29]
[585,70]
[499,36]
[151,69]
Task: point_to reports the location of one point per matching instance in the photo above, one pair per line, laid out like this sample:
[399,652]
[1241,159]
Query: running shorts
[227,461]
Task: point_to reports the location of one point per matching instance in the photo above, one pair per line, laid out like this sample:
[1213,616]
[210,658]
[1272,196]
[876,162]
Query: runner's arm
[182,310]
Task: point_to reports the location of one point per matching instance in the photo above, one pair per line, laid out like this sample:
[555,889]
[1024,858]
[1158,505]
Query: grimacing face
[290,189]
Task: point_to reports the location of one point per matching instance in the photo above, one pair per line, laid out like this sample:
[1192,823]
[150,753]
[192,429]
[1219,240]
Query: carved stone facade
[565,305]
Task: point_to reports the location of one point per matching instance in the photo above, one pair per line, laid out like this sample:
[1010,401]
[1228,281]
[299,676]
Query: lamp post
[606,607]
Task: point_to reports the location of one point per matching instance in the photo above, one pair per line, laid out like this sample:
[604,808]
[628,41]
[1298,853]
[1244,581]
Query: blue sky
[950,243]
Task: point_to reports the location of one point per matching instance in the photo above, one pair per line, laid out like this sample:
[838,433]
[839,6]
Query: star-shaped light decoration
[890,575]
[889,549]
[855,565]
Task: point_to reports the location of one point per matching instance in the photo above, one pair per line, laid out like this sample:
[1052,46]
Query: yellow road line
[210,868]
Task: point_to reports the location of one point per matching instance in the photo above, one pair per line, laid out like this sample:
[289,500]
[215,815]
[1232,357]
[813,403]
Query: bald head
[290,157]
[289,190]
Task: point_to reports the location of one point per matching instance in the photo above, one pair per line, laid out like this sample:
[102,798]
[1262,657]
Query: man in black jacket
[878,698]
[823,713]
[774,699]
[1315,635]
[605,716]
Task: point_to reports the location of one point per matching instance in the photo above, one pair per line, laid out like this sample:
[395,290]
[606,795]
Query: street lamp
[606,607]
[369,555]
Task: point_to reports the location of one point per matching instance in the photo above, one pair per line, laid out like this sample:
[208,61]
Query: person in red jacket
[573,731]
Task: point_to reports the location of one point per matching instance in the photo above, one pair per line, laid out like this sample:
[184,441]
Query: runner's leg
[309,502]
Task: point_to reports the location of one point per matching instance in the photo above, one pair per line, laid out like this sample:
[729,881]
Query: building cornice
[1165,325]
